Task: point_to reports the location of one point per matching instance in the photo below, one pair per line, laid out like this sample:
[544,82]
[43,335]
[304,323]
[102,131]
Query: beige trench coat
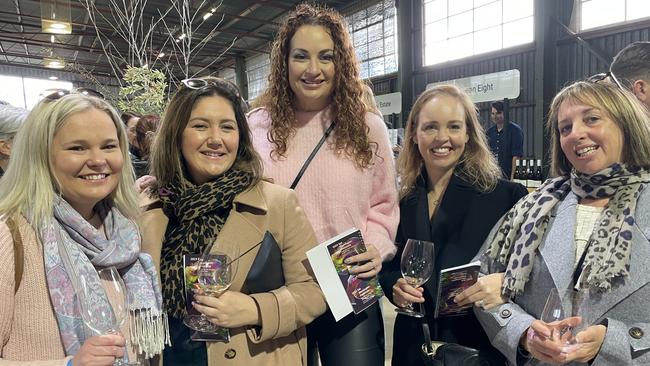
[281,340]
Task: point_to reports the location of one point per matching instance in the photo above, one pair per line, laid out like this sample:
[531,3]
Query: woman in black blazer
[451,194]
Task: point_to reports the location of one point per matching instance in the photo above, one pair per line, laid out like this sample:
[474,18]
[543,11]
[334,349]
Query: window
[455,29]
[257,70]
[598,13]
[374,37]
[26,92]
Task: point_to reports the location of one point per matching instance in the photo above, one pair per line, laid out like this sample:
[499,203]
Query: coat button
[230,353]
[505,313]
[636,332]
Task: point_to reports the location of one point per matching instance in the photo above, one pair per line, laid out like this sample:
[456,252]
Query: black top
[458,229]
[505,144]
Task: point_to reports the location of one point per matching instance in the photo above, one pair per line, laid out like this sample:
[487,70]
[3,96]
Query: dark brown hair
[166,158]
[351,132]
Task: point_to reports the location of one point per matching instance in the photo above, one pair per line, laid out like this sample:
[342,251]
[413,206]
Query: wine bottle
[530,173]
[516,177]
[538,173]
[524,173]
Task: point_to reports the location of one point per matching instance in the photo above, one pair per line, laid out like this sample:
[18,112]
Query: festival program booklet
[344,292]
[452,282]
[191,280]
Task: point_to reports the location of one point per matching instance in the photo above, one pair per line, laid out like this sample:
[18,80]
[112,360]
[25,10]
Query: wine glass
[101,320]
[215,272]
[417,266]
[554,312]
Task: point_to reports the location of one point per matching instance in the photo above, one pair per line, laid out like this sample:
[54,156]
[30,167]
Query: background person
[585,230]
[11,118]
[145,130]
[209,190]
[314,83]
[506,140]
[452,195]
[631,67]
[65,192]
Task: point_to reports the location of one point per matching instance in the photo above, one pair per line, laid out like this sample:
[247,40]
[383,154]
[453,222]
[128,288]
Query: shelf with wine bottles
[528,172]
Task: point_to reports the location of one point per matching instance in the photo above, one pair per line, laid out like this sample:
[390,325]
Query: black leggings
[355,340]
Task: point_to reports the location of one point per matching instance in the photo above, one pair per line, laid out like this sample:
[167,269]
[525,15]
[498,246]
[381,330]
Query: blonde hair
[621,106]
[476,165]
[29,186]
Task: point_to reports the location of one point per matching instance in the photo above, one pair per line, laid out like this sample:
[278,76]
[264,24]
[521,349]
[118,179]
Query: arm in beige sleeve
[300,300]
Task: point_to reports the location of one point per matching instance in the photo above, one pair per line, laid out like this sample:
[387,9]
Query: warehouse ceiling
[235,28]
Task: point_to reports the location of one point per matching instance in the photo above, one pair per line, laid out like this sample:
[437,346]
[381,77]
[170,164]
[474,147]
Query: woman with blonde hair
[67,209]
[451,194]
[582,235]
[314,107]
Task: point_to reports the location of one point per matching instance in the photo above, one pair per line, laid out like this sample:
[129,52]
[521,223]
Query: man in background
[631,69]
[506,140]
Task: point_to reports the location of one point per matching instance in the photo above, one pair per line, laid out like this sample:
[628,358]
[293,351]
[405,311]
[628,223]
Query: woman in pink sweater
[315,89]
[66,209]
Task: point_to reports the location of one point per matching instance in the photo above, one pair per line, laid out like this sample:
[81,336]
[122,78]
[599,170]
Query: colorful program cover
[361,292]
[452,282]
[191,279]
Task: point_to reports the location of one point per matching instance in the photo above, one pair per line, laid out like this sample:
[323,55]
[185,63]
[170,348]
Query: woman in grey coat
[586,230]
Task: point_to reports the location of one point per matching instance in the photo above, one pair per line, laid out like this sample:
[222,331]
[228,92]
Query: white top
[586,219]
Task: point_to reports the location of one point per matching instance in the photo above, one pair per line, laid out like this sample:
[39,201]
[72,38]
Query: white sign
[389,103]
[488,87]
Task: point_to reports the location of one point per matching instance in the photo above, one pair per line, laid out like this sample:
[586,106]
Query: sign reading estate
[389,103]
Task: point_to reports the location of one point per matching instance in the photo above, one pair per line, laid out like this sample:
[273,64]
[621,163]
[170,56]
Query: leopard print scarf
[608,253]
[196,215]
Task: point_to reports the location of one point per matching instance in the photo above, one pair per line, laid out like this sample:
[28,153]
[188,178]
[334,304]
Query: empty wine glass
[101,320]
[215,272]
[417,264]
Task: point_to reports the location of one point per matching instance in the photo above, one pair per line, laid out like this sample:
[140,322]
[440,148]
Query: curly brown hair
[351,132]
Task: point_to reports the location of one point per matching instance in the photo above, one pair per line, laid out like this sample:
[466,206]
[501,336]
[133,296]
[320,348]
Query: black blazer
[458,229]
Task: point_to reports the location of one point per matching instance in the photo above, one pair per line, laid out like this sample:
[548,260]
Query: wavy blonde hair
[476,165]
[621,106]
[351,132]
[29,186]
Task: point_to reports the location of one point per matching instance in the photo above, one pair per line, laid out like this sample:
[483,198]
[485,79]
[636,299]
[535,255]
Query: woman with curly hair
[314,90]
[451,195]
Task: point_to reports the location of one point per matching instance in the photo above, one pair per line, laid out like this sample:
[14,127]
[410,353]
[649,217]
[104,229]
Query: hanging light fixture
[53,63]
[55,16]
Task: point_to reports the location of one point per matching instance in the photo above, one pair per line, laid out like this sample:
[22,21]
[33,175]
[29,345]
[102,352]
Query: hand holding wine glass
[416,264]
[215,272]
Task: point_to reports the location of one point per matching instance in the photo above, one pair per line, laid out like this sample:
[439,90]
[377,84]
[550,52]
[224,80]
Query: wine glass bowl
[215,273]
[416,264]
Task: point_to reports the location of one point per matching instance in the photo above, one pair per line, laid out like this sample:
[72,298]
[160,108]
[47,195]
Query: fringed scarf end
[149,332]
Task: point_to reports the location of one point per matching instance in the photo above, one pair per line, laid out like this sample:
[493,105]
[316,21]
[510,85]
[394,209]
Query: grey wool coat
[624,309]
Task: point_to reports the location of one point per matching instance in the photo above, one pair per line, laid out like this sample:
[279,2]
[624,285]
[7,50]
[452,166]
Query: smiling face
[86,159]
[589,138]
[441,134]
[211,139]
[311,67]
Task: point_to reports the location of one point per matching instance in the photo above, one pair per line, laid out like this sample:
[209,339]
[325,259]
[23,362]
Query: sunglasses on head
[604,76]
[54,94]
[197,84]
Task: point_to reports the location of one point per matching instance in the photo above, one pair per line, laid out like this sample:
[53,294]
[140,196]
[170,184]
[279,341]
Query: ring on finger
[480,304]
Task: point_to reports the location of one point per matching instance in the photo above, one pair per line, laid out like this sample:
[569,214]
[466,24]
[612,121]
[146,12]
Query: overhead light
[162,54]
[55,26]
[52,39]
[213,10]
[182,36]
[206,16]
[53,63]
[53,78]
[56,17]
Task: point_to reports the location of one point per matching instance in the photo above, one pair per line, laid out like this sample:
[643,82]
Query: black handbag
[452,354]
[266,272]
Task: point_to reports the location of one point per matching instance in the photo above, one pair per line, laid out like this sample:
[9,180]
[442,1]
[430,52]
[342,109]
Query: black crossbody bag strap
[311,156]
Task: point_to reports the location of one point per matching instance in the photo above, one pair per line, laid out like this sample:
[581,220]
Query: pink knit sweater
[332,183]
[28,326]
